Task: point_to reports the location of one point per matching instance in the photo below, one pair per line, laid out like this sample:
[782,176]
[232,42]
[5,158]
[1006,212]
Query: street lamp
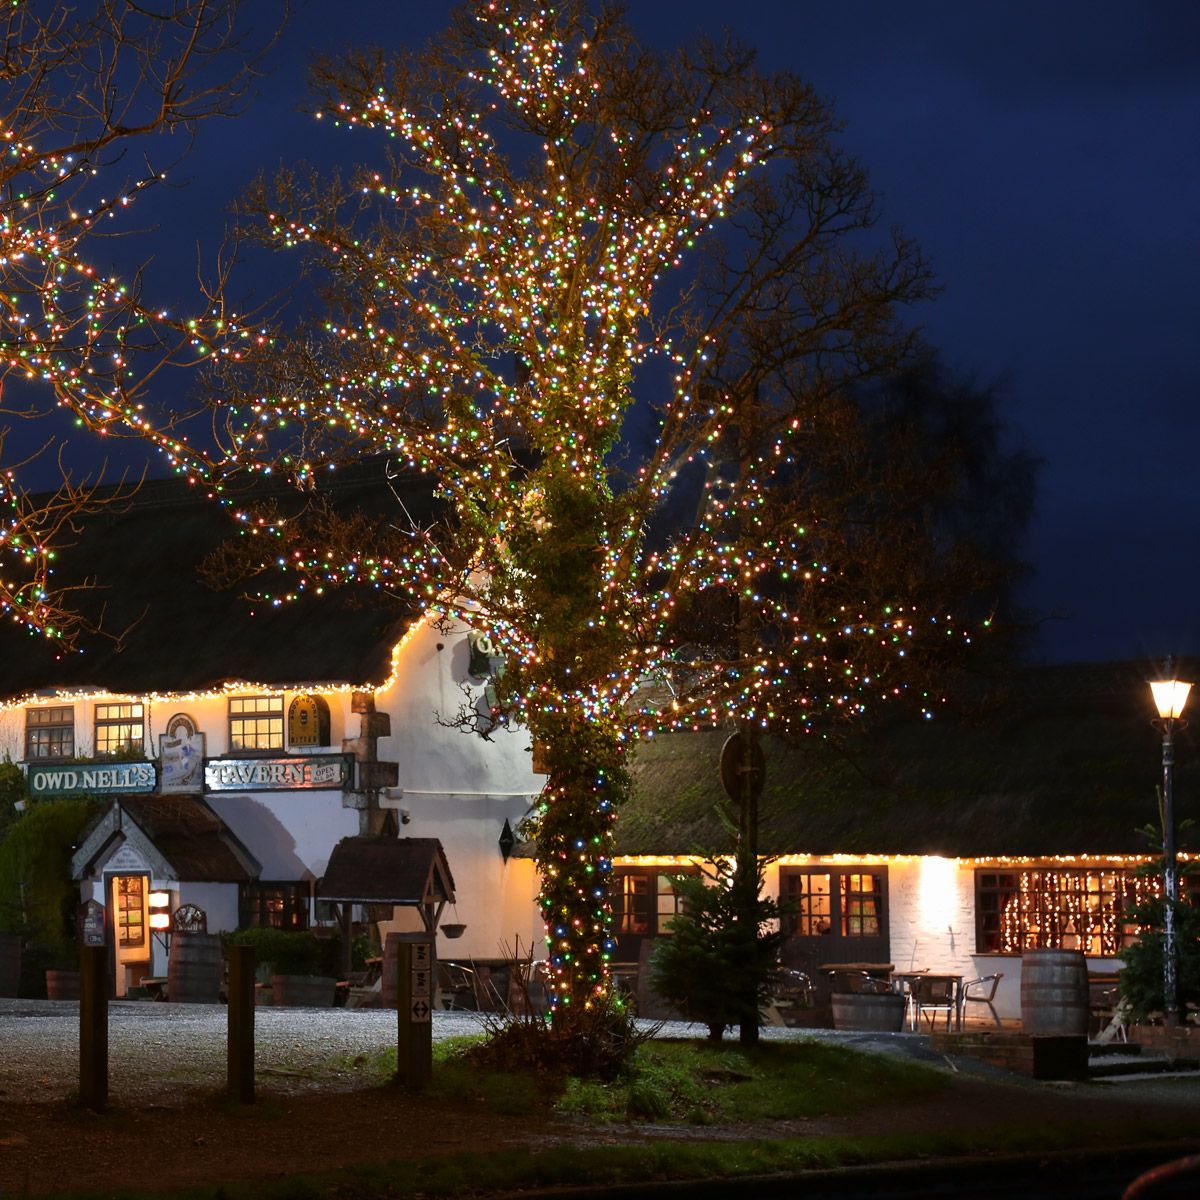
[1170,695]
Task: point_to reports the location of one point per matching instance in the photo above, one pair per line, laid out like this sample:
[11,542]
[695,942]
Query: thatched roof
[192,843]
[386,870]
[136,562]
[1057,760]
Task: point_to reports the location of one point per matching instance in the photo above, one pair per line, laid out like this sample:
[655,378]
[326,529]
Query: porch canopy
[388,870]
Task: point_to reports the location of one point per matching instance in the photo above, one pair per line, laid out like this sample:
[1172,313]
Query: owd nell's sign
[52,779]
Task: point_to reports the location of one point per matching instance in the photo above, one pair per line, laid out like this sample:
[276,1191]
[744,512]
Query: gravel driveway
[164,1051]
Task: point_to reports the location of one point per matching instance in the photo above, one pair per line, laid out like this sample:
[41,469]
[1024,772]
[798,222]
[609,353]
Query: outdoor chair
[457,986]
[984,993]
[935,994]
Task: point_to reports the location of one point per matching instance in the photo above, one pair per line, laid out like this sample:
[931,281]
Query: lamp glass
[160,920]
[1170,695]
[159,899]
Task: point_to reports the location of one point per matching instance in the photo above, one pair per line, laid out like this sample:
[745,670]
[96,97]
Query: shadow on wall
[262,833]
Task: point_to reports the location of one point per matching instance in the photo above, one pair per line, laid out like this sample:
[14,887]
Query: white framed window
[256,723]
[50,732]
[120,728]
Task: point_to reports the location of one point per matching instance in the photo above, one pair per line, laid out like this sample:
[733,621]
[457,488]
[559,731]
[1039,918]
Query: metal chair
[935,994]
[985,993]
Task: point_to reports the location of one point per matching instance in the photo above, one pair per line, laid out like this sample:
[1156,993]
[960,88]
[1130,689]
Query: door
[131,930]
[834,915]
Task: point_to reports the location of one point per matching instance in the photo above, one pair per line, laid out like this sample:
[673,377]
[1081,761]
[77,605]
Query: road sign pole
[414,1013]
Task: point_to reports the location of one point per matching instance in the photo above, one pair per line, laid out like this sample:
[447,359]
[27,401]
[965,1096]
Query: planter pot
[816,1016]
[62,985]
[883,1012]
[302,991]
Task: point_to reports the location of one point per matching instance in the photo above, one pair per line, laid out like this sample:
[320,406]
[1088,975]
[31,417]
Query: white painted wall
[461,788]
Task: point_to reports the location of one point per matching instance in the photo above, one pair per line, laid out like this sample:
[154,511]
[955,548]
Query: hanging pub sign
[485,661]
[312,772]
[53,779]
[181,756]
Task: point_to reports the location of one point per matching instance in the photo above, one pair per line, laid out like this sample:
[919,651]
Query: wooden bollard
[414,1015]
[240,1055]
[93,1027]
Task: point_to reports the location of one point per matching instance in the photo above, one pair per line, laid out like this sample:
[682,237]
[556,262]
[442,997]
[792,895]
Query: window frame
[135,718]
[272,716]
[659,916]
[293,897]
[37,722]
[845,925]
[1045,918]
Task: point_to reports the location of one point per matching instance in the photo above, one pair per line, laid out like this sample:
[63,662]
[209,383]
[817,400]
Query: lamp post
[1170,695]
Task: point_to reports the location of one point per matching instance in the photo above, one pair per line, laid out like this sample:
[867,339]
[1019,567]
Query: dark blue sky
[1046,153]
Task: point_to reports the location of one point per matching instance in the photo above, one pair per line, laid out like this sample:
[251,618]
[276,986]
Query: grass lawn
[697,1087]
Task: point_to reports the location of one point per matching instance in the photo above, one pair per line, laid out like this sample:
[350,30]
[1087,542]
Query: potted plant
[299,965]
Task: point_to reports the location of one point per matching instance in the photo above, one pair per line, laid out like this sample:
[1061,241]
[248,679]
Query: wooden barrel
[1054,993]
[194,968]
[302,991]
[10,964]
[62,985]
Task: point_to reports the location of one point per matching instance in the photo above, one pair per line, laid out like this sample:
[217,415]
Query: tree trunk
[587,783]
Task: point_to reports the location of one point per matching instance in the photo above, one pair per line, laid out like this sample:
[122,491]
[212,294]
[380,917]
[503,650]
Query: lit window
[1056,908]
[256,723]
[50,732]
[836,903]
[274,905]
[645,903]
[120,729]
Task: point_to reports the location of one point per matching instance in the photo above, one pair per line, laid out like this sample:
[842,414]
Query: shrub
[288,951]
[38,898]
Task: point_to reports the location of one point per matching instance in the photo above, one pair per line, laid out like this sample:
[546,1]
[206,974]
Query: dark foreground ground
[318,1108]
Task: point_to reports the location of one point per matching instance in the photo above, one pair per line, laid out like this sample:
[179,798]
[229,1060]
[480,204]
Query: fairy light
[563,268]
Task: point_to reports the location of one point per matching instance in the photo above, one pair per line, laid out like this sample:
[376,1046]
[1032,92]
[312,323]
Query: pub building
[234,747]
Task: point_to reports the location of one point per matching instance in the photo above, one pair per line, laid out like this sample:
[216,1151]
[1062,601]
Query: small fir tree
[704,967]
[1141,978]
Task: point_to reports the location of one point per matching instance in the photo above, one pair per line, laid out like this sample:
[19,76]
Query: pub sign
[302,773]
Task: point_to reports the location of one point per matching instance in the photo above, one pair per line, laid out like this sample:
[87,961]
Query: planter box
[883,1012]
[302,991]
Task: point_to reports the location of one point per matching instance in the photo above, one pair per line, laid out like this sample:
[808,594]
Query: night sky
[1046,153]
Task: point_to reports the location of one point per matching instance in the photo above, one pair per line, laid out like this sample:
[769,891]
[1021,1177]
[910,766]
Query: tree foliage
[621,310]
[720,960]
[37,896]
[1141,974]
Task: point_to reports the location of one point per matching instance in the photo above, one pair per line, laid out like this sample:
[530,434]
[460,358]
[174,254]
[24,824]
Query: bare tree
[80,86]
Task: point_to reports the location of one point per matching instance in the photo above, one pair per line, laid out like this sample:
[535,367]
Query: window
[256,723]
[278,905]
[1075,908]
[644,904]
[834,914]
[829,902]
[50,732]
[120,729]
